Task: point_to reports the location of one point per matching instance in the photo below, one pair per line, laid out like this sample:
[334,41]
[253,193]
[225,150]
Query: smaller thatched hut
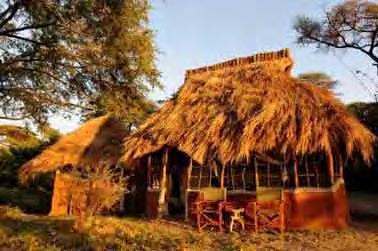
[247,124]
[96,144]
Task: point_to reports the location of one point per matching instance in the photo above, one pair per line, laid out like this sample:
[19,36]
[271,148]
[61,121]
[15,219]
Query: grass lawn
[19,231]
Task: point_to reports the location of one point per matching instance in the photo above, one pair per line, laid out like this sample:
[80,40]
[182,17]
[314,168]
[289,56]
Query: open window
[201,176]
[240,177]
[269,175]
[312,172]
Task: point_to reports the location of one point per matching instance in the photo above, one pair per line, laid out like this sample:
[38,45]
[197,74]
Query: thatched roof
[96,142]
[234,109]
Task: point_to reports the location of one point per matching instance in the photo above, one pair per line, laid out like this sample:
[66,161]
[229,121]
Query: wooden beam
[341,166]
[232,178]
[163,185]
[149,172]
[222,176]
[296,178]
[331,168]
[256,172]
[307,172]
[189,173]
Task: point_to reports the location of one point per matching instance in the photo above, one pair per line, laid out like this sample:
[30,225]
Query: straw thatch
[245,106]
[97,142]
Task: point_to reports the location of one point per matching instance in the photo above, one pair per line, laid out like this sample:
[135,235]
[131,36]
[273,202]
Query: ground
[20,231]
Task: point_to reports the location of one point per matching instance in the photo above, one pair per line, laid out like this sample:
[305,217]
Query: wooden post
[232,178]
[222,176]
[163,185]
[256,173]
[317,175]
[210,174]
[243,178]
[341,169]
[307,172]
[200,177]
[149,171]
[122,200]
[189,173]
[331,168]
[296,178]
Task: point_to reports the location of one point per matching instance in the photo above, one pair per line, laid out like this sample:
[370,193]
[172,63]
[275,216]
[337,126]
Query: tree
[319,78]
[61,55]
[352,24]
[130,110]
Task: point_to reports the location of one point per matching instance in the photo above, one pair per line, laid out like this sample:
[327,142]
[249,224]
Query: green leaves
[318,78]
[57,56]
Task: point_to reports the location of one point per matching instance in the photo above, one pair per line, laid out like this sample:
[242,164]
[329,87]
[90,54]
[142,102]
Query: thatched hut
[246,123]
[95,144]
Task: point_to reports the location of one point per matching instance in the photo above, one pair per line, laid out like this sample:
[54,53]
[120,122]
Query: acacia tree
[352,24]
[319,78]
[60,55]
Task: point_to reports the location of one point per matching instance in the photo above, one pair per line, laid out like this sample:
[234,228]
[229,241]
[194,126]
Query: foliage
[117,103]
[64,54]
[358,175]
[96,190]
[319,78]
[367,113]
[28,232]
[18,146]
[352,24]
[29,200]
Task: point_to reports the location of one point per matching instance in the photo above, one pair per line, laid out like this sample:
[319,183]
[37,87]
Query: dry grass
[96,142]
[251,105]
[30,232]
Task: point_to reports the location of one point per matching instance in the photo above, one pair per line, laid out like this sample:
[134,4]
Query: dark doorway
[178,165]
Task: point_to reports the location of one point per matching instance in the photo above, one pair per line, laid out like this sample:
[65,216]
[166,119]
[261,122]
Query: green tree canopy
[352,24]
[319,78]
[63,55]
[367,113]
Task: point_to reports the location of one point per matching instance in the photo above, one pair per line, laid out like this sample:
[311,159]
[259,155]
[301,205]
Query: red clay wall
[311,208]
[152,203]
[308,208]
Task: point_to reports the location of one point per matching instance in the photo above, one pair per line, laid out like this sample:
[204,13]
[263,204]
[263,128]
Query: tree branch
[30,27]
[24,39]
[15,8]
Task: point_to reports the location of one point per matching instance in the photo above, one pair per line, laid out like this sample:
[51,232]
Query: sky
[194,33]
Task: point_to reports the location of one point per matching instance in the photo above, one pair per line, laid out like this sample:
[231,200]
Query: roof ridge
[256,58]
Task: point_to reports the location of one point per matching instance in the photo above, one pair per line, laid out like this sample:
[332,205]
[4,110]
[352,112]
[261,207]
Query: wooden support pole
[200,177]
[307,172]
[232,178]
[122,200]
[149,172]
[341,166]
[331,168]
[243,178]
[189,173]
[256,173]
[296,178]
[222,176]
[188,186]
[163,185]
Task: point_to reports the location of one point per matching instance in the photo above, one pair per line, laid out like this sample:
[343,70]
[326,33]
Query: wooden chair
[237,217]
[269,209]
[208,208]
